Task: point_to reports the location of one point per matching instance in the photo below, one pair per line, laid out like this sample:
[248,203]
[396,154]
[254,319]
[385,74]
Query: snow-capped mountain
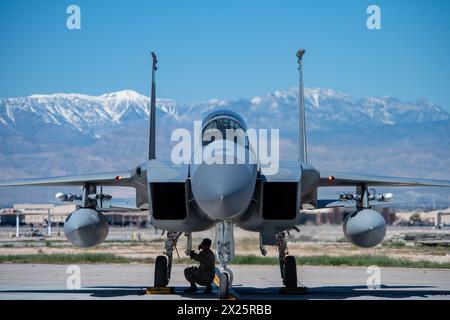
[80,111]
[325,107]
[57,134]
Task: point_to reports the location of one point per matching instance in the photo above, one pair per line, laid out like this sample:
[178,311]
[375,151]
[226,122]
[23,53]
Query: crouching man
[202,275]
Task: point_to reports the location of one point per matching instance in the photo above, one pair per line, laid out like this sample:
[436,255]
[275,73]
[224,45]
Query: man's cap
[206,242]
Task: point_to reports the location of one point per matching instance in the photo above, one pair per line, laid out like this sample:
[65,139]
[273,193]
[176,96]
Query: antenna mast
[302,153]
[152,120]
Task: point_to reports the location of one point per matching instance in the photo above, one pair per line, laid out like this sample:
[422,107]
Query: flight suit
[203,274]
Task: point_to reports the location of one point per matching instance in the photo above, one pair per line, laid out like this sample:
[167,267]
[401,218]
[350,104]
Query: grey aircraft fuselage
[230,190]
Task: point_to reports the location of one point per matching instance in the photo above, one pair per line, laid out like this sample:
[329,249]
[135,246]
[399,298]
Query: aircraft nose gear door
[225,253]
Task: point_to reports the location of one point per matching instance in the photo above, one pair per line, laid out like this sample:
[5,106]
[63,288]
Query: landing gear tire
[161,272]
[290,272]
[223,285]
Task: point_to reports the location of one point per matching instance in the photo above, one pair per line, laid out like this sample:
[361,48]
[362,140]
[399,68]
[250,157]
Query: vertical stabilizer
[152,120]
[302,152]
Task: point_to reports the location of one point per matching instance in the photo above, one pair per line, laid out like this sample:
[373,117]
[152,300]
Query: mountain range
[57,134]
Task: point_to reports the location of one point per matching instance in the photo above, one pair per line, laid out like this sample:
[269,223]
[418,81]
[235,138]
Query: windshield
[219,126]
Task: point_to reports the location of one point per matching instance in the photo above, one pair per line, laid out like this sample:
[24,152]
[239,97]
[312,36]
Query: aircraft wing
[118,178]
[331,179]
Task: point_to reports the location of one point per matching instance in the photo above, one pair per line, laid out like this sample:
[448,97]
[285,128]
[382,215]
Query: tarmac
[128,281]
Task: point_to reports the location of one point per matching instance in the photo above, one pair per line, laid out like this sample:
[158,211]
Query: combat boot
[193,288]
[208,288]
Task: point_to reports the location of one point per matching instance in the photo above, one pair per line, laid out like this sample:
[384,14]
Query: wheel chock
[160,290]
[216,280]
[297,290]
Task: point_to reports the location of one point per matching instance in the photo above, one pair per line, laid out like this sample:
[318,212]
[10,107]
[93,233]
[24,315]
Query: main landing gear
[163,264]
[288,267]
[225,253]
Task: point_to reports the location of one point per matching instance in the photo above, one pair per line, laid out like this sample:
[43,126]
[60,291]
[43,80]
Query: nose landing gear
[225,253]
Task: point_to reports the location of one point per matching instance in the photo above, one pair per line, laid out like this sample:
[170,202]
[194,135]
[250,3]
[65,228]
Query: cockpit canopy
[221,121]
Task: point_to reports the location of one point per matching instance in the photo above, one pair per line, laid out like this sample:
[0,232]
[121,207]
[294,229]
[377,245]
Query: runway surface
[114,281]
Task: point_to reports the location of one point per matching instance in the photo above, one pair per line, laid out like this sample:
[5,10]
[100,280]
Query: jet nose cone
[224,191]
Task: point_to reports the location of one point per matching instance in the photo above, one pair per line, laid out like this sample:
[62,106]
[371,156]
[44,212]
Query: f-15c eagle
[186,198]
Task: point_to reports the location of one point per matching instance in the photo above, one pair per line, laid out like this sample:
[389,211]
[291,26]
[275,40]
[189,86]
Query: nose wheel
[224,285]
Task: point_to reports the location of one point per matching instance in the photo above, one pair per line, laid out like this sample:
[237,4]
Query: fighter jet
[186,198]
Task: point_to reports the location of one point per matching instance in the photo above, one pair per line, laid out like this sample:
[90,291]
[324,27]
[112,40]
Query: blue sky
[226,49]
